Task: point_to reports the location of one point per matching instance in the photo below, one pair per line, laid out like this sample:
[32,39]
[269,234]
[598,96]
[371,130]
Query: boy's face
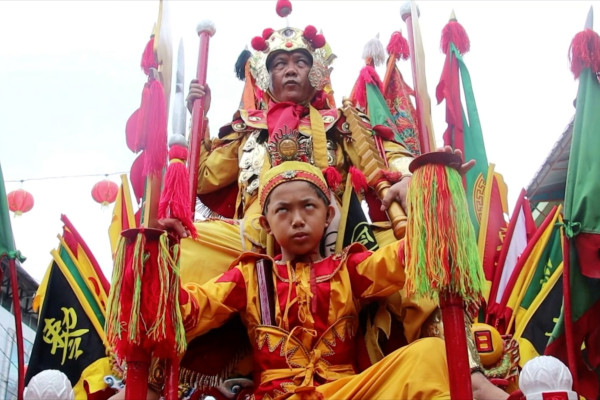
[297,217]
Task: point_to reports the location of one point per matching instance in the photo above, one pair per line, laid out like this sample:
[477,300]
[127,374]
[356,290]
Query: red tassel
[454,32]
[367,75]
[174,199]
[333,177]
[398,46]
[154,125]
[584,52]
[148,58]
[359,181]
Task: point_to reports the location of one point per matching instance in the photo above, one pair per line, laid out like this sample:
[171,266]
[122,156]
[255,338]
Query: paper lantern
[20,201]
[105,192]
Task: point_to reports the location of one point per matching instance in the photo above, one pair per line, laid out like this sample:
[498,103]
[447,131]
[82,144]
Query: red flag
[520,229]
[492,225]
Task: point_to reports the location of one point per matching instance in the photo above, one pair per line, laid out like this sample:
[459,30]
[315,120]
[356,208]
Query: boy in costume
[303,334]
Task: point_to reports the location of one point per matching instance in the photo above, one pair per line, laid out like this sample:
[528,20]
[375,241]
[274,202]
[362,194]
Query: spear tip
[452,16]
[589,22]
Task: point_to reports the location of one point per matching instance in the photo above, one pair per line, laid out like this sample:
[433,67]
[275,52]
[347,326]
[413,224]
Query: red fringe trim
[454,32]
[398,46]
[584,52]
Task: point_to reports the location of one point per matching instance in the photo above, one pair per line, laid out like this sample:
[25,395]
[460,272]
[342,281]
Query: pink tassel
[154,126]
[398,46]
[584,52]
[174,199]
[333,177]
[359,181]
[454,32]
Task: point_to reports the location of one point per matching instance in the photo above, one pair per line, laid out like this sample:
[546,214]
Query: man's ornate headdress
[290,39]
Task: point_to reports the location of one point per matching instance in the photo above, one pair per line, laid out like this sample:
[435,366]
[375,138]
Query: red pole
[172,379]
[138,364]
[18,328]
[205,31]
[455,338]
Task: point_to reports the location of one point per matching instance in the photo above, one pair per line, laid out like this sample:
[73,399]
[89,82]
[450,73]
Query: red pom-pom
[584,52]
[398,46]
[267,33]
[359,181]
[283,8]
[333,177]
[258,43]
[310,32]
[454,32]
[318,41]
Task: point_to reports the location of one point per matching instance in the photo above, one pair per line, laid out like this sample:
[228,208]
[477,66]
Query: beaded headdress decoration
[290,39]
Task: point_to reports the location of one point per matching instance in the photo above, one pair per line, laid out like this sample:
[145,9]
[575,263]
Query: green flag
[576,338]
[7,242]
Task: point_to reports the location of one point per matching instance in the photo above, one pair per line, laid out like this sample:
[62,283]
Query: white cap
[544,375]
[49,384]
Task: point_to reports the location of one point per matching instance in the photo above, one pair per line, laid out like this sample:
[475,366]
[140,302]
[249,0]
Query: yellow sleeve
[380,274]
[218,167]
[398,156]
[210,305]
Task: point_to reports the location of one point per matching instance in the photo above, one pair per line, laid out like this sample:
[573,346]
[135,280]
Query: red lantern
[19,201]
[105,192]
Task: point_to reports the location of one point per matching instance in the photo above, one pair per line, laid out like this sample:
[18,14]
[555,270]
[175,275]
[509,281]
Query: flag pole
[206,30]
[417,58]
[12,262]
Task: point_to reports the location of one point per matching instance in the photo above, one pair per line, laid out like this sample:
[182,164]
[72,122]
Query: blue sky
[70,78]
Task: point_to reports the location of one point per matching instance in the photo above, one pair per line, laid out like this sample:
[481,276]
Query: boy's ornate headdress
[290,171]
[291,39]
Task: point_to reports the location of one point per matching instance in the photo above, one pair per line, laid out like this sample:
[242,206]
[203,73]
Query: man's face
[289,76]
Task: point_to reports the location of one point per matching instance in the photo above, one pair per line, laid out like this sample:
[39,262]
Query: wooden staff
[369,161]
[205,30]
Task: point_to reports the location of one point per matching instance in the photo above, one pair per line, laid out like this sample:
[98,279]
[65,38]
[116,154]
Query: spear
[206,30]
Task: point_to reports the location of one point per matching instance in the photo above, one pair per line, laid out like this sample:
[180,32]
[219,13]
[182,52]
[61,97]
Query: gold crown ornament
[291,39]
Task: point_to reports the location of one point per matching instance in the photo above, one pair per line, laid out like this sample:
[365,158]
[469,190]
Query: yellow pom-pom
[490,345]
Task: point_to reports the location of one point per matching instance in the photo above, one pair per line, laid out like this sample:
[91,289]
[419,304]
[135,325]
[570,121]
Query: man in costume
[289,115]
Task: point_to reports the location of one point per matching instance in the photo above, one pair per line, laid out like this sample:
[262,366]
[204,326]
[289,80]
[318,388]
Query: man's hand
[397,192]
[197,91]
[174,227]
[464,167]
